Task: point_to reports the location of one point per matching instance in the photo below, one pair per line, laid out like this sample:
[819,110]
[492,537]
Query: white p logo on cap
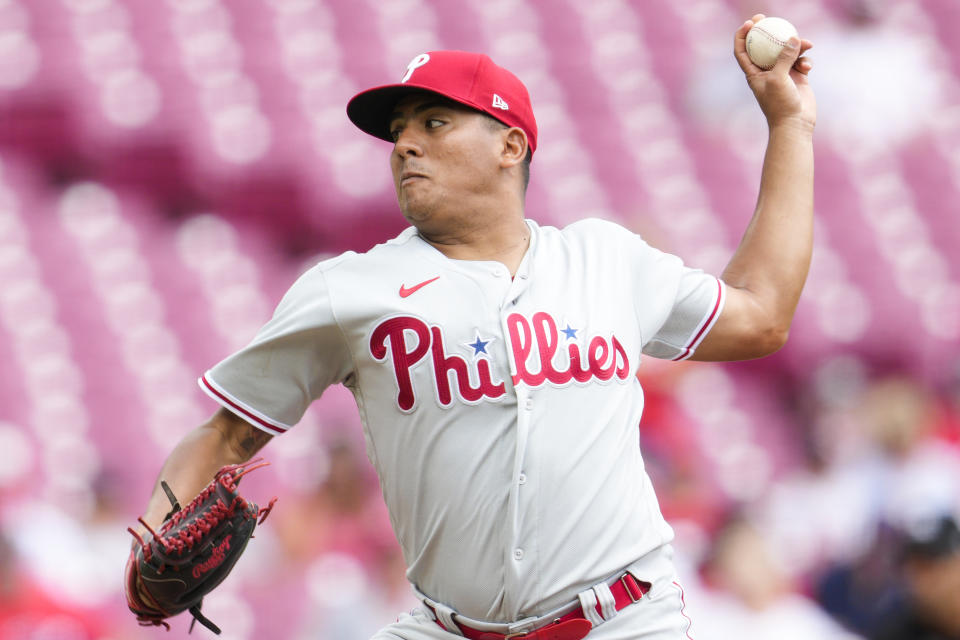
[415,64]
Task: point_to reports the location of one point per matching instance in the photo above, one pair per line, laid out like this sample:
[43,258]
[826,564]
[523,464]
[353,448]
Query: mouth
[410,176]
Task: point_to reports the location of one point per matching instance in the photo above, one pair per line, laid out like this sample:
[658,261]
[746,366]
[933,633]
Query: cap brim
[370,110]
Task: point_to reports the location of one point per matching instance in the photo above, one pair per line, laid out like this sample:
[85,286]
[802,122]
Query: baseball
[766,40]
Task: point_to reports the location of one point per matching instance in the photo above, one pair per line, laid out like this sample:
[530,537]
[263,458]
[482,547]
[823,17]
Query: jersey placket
[522,558]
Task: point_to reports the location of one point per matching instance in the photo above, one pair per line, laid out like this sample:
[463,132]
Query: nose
[408,144]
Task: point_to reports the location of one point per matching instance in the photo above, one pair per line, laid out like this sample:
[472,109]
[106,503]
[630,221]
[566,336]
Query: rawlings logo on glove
[172,569]
[215,560]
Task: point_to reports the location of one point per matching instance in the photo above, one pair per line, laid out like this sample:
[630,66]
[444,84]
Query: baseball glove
[172,569]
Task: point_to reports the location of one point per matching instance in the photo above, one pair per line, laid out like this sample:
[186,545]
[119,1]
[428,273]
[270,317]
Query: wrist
[792,125]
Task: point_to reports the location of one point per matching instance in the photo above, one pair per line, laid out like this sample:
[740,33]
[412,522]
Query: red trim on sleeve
[716,307]
[238,409]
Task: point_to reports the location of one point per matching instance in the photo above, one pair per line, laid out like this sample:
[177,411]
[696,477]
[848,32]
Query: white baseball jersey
[500,413]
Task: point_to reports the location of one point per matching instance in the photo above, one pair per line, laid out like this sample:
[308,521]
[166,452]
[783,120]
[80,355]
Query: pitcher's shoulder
[381,254]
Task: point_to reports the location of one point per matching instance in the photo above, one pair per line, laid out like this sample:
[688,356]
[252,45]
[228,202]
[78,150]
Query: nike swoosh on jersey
[404,291]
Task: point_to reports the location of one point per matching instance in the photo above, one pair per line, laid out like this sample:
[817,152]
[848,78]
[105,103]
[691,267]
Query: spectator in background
[911,477]
[865,592]
[28,611]
[69,553]
[948,417]
[831,489]
[869,463]
[931,575]
[749,595]
[914,476]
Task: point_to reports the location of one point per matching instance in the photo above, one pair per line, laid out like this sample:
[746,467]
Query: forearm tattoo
[242,437]
[252,440]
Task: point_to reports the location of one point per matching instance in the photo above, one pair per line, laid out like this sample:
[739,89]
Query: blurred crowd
[858,539]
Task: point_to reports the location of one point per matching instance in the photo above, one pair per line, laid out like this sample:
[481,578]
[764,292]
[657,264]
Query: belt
[571,626]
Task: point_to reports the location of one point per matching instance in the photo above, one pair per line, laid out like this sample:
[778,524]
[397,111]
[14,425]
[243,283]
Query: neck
[503,241]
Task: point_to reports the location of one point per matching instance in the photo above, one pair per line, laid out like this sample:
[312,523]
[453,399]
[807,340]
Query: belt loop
[588,602]
[632,586]
[608,604]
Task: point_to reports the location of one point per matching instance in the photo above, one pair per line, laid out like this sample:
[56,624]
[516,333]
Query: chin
[415,211]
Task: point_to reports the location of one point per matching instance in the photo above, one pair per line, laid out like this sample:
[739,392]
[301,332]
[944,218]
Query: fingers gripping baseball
[780,85]
[788,55]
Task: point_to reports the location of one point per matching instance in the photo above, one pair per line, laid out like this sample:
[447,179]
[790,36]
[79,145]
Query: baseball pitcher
[494,360]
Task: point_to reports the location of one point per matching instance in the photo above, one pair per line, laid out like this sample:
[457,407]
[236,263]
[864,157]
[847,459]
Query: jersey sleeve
[697,306]
[289,363]
[676,305]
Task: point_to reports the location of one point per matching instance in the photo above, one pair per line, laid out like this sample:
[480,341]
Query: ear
[514,147]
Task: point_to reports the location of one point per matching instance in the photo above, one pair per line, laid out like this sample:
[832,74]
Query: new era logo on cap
[472,79]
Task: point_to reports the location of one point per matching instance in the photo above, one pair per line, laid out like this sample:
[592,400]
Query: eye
[433,123]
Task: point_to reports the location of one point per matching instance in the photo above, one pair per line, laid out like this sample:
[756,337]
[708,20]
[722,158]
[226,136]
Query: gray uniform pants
[659,615]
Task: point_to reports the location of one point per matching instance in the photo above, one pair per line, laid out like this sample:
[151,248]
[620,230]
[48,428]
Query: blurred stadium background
[168,167]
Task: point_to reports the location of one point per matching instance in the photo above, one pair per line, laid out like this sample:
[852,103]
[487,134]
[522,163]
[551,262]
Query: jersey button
[529,404]
[518,554]
[523,478]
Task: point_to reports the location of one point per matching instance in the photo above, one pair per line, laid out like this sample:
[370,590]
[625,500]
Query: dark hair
[525,166]
[932,539]
[526,169]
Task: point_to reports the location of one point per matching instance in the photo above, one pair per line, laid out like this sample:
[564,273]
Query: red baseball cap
[472,79]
